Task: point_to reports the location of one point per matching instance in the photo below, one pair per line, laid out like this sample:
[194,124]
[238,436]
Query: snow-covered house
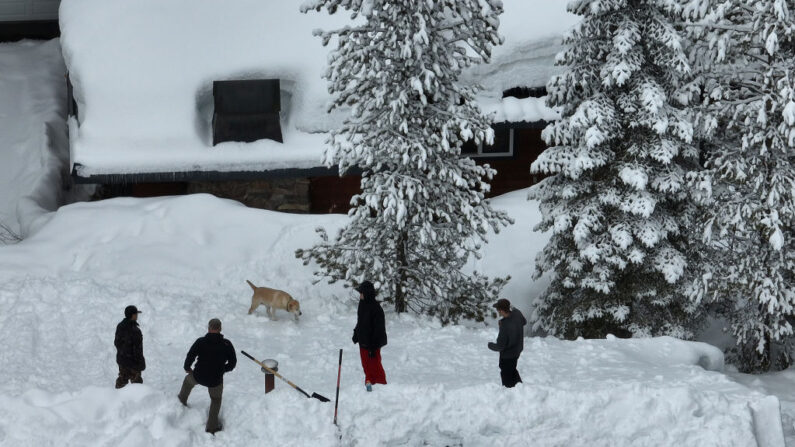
[146,113]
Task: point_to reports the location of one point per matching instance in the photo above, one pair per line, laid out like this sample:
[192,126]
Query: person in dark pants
[216,356]
[370,334]
[510,341]
[129,349]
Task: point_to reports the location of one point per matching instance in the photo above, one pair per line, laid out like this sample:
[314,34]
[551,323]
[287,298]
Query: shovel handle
[275,373]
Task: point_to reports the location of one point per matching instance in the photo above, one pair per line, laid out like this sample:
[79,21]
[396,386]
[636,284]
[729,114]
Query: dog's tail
[253,287]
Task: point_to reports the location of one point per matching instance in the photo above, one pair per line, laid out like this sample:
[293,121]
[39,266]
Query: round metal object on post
[270,381]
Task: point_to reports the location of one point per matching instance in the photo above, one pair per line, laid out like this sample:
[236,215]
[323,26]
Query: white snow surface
[512,109]
[33,149]
[183,260]
[143,84]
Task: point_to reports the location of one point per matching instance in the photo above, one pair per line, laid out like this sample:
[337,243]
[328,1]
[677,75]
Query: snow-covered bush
[422,212]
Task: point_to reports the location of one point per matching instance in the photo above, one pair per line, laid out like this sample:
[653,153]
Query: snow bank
[183,260]
[187,236]
[143,72]
[33,149]
[512,109]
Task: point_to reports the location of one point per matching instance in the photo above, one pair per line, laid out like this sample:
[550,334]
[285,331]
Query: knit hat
[367,289]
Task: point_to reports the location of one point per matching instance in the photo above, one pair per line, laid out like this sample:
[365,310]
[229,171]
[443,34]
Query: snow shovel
[315,395]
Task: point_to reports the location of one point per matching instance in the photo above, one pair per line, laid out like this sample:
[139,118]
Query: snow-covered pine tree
[617,200]
[746,66]
[422,213]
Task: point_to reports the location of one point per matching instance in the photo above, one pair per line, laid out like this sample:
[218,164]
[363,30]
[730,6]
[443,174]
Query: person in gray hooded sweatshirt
[510,341]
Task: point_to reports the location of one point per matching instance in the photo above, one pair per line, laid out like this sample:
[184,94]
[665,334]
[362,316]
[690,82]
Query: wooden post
[270,381]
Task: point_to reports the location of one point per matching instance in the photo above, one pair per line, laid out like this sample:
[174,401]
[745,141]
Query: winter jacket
[370,330]
[129,344]
[510,340]
[216,357]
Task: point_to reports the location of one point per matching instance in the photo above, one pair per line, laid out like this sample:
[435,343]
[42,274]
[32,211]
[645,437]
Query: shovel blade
[320,398]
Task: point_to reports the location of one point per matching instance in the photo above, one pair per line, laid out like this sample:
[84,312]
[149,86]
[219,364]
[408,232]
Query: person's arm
[355,337]
[502,341]
[117,340]
[231,358]
[381,325]
[191,357]
[138,350]
[377,330]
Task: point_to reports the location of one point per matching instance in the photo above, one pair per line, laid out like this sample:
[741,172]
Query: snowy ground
[184,260]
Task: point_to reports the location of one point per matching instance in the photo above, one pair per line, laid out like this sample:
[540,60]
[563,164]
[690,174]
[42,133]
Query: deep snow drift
[34,152]
[184,260]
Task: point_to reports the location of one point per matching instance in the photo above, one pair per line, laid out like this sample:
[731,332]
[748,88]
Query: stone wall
[287,195]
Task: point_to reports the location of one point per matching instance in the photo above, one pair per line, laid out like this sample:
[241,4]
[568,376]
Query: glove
[371,353]
[355,339]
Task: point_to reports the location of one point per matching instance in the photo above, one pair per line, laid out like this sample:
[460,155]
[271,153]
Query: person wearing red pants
[370,334]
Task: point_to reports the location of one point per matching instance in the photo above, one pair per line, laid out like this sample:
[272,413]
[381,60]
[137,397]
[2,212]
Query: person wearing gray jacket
[510,341]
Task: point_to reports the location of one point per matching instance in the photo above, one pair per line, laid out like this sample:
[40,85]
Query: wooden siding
[514,172]
[333,194]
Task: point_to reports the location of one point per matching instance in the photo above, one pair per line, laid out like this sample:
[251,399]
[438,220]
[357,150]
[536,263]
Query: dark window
[501,147]
[246,110]
[502,142]
[469,148]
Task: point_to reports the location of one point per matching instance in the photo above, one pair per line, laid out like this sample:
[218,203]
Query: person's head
[503,307]
[366,290]
[214,326]
[131,313]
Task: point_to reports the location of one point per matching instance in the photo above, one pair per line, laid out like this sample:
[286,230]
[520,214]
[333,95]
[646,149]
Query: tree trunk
[400,294]
[767,360]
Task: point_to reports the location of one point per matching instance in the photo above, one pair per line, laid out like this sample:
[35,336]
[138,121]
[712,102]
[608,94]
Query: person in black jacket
[510,341]
[129,349]
[370,333]
[216,356]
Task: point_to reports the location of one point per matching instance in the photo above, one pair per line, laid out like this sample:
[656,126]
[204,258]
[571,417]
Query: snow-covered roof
[142,73]
[512,109]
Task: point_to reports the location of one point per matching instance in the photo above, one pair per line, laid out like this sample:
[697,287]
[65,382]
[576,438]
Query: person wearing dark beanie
[510,342]
[370,334]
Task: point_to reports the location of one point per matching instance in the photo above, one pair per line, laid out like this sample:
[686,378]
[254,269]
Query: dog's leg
[253,306]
